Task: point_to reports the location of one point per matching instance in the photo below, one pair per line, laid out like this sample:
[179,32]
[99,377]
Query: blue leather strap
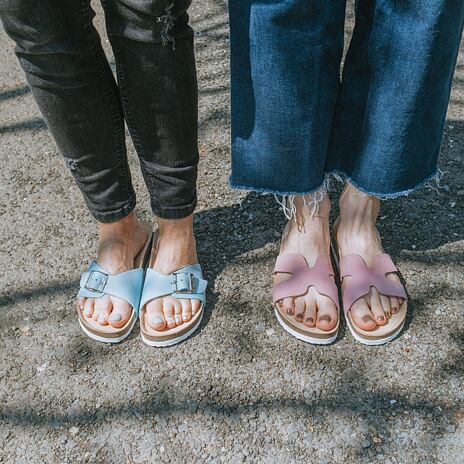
[187,283]
[96,282]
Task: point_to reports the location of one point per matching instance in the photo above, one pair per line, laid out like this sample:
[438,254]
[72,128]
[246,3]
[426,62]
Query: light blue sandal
[97,282]
[188,283]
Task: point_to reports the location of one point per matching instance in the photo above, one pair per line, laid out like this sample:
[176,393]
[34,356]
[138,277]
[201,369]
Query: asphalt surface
[240,390]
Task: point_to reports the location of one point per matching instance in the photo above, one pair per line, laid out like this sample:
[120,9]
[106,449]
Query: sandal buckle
[183,283]
[96,281]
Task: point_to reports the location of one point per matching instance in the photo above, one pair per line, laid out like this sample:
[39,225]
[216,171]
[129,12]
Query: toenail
[156,320]
[367,319]
[178,319]
[115,317]
[380,318]
[325,318]
[101,319]
[87,312]
[309,319]
[185,318]
[299,317]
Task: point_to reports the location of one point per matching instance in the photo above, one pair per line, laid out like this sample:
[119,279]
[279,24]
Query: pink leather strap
[364,277]
[319,276]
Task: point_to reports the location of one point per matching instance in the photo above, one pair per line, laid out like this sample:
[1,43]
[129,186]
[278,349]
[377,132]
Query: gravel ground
[241,390]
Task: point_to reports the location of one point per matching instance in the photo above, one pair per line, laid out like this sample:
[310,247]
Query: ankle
[124,225]
[357,209]
[309,209]
[176,227]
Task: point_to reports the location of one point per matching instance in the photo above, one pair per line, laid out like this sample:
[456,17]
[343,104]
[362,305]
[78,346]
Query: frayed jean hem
[432,182]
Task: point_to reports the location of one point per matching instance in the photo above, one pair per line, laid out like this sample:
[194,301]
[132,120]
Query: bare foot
[309,236]
[119,243]
[357,234]
[176,248]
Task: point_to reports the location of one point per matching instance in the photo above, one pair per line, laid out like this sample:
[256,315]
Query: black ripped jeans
[60,51]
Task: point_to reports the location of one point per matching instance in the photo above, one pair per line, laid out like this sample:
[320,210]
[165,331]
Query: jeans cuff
[112,216]
[174,212]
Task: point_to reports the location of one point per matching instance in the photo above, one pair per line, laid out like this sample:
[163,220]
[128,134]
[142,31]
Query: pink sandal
[363,278]
[320,276]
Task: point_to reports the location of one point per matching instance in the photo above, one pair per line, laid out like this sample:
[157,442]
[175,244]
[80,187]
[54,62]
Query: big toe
[362,315]
[155,316]
[327,314]
[120,314]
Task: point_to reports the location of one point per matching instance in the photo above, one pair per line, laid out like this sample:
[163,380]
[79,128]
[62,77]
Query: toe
[386,305]
[288,305]
[120,314]
[196,305]
[362,315]
[299,309]
[103,306]
[80,302]
[89,307]
[177,311]
[376,308]
[168,309]
[155,315]
[310,312]
[186,309]
[394,304]
[327,314]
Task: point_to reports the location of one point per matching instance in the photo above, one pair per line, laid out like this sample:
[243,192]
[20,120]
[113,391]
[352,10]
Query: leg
[153,46]
[65,66]
[285,60]
[285,63]
[394,95]
[389,119]
[72,83]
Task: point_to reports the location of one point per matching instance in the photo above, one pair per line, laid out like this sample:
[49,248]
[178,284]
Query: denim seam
[112,216]
[174,212]
[118,119]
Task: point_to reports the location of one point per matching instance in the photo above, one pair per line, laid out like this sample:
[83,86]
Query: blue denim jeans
[294,120]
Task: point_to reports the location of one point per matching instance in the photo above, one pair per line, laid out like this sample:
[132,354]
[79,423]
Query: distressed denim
[61,54]
[379,124]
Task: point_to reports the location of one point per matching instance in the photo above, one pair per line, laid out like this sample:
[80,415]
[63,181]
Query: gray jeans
[61,54]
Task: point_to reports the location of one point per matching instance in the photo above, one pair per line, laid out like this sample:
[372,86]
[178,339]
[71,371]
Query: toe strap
[185,283]
[320,276]
[97,282]
[364,277]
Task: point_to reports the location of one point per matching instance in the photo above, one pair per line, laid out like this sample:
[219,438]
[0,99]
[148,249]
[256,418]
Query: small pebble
[366,444]
[74,430]
[451,428]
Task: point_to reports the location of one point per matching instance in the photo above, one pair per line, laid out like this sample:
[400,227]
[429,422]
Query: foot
[119,243]
[309,236]
[176,248]
[357,234]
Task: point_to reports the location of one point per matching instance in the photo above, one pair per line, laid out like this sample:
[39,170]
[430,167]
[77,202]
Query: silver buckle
[96,281]
[183,283]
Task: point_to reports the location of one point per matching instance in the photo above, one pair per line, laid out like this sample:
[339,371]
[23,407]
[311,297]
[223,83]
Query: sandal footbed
[107,331]
[167,334]
[382,331]
[304,329]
